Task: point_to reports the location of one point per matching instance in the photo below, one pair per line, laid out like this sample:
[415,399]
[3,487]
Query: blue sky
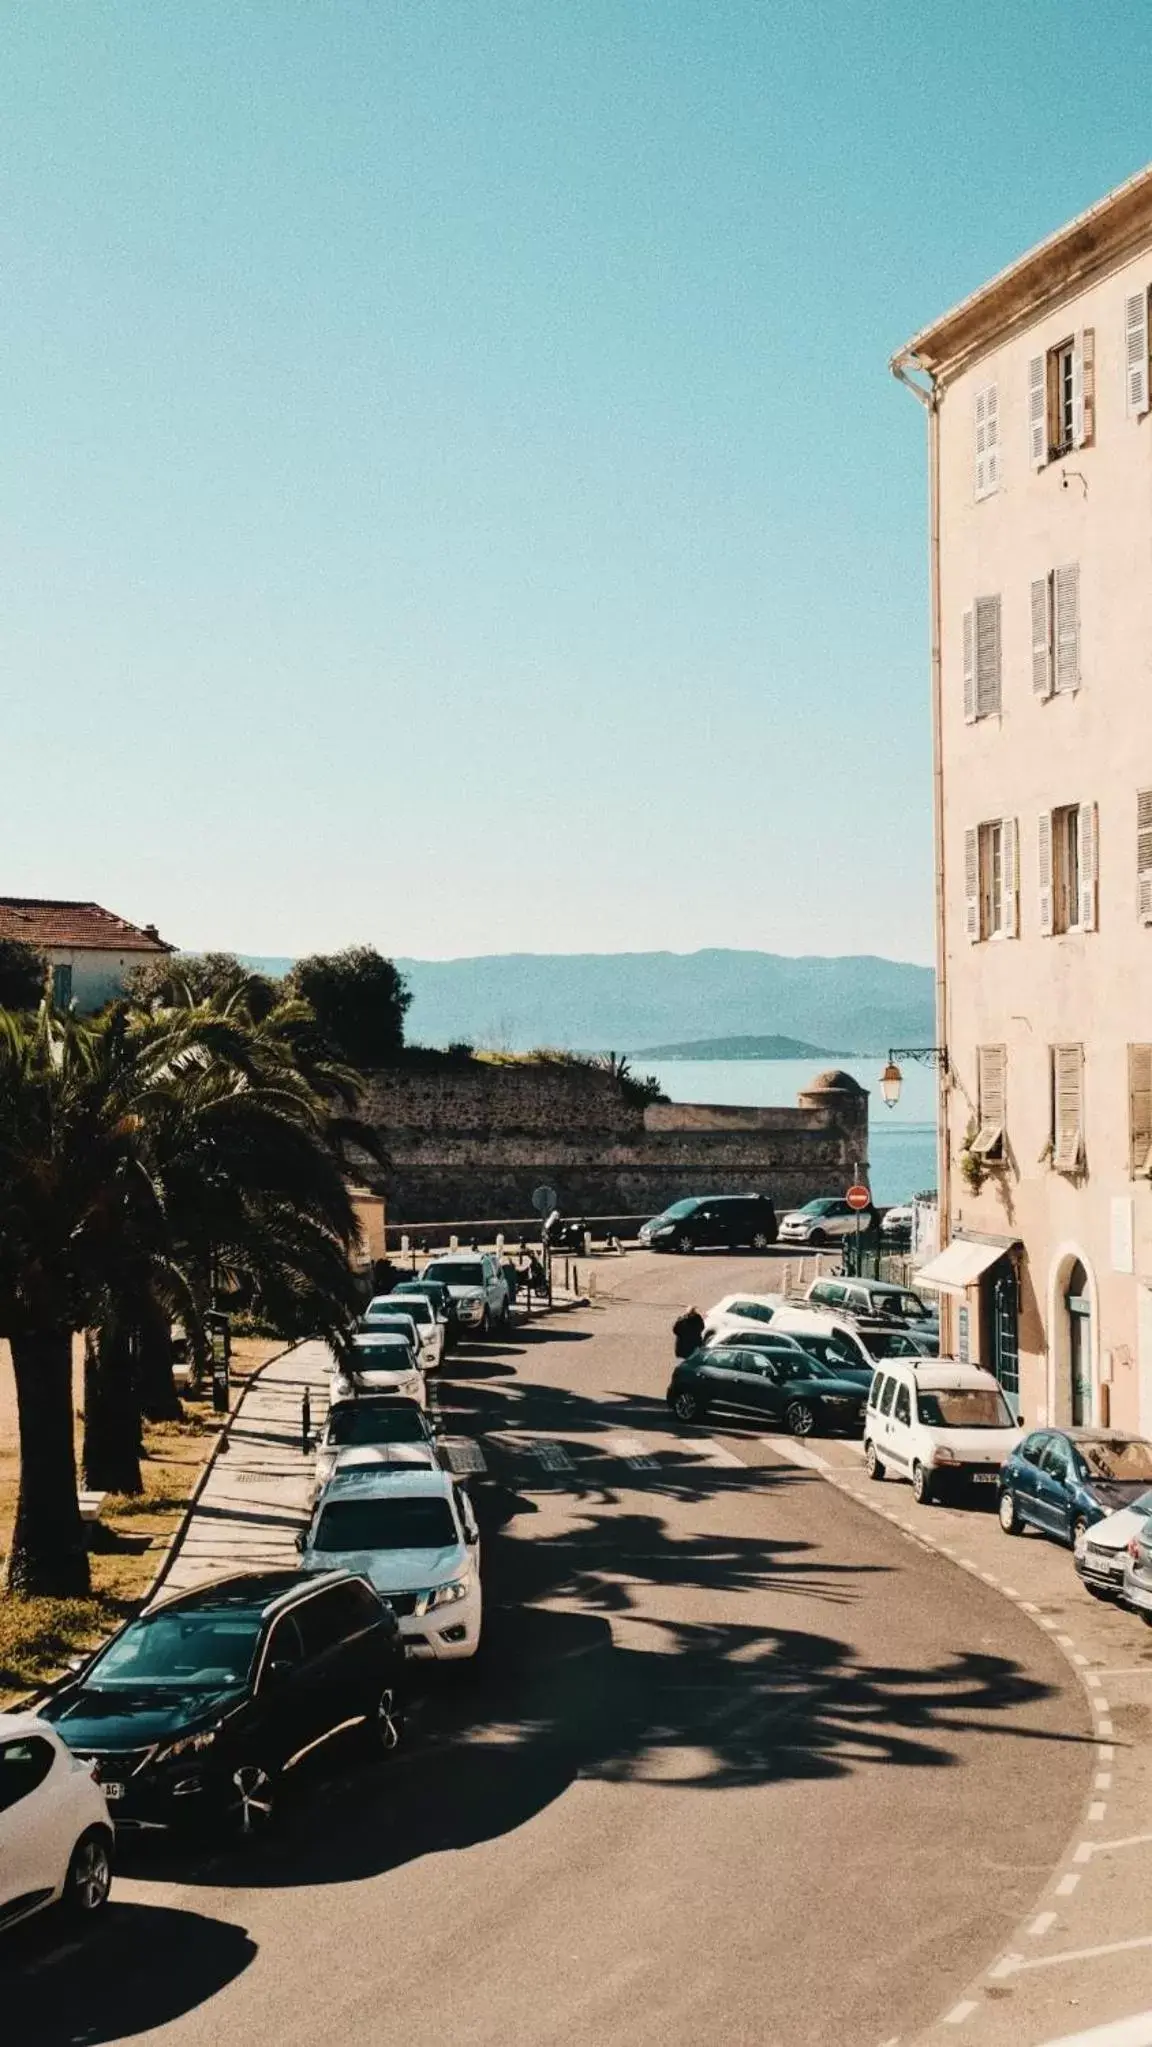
[452,491]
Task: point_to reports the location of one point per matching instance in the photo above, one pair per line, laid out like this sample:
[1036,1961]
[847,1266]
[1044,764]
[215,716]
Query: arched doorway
[1078,1309]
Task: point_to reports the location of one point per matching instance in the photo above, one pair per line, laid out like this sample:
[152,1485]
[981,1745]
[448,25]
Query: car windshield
[833,1351]
[370,1422]
[405,1523]
[189,1651]
[804,1365]
[1129,1461]
[910,1305]
[458,1275]
[893,1343]
[822,1207]
[389,1348]
[384,1318]
[415,1305]
[964,1407]
[678,1209]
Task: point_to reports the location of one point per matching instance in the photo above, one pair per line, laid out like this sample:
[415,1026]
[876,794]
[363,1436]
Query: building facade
[90,951]
[1036,391]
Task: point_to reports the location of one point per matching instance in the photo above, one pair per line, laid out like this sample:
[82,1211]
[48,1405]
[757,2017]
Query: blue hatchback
[1062,1480]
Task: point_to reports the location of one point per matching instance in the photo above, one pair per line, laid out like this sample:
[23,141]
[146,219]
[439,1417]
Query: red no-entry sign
[858,1198]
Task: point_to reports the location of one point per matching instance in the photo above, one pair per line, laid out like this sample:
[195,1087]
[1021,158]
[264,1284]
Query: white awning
[959,1265]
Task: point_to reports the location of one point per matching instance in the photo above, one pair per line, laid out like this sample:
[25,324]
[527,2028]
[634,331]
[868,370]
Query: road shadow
[145,1966]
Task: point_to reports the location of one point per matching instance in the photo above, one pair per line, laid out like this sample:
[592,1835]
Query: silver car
[1101,1551]
[1137,1591]
[824,1221]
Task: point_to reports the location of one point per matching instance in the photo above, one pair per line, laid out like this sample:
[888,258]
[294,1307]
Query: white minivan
[937,1423]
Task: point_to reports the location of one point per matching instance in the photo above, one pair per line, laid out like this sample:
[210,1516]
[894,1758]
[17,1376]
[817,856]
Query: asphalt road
[741,1763]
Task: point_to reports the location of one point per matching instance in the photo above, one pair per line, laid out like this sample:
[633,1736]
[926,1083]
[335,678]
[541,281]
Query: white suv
[477,1286]
[414,1536]
[55,1834]
[740,1314]
[937,1423]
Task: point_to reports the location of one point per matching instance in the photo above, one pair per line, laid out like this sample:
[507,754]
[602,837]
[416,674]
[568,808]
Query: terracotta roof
[40,921]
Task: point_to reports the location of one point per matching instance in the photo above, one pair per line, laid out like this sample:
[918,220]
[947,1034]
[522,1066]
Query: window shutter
[987,656]
[1144,856]
[1066,605]
[1042,636]
[1078,392]
[1085,418]
[1067,1105]
[972,883]
[969,666]
[986,424]
[1044,849]
[1089,865]
[1140,1108]
[991,1074]
[1009,877]
[1037,412]
[992,424]
[1136,353]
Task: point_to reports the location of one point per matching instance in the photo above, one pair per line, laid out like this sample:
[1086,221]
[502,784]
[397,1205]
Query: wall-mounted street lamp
[892,1080]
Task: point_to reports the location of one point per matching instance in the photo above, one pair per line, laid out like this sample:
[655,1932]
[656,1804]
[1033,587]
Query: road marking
[796,1453]
[988,1578]
[1104,1727]
[1066,1886]
[1105,1753]
[960,2012]
[1093,1677]
[632,1450]
[1081,1660]
[1011,1591]
[1012,1964]
[1096,1812]
[1028,1606]
[1040,1925]
[1132,2032]
[1102,1781]
[1085,1851]
[1066,1641]
[715,1453]
[1097,1704]
[1006,1966]
[1133,1670]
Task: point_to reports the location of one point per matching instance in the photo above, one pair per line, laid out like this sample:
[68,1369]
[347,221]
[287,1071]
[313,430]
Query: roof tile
[42,921]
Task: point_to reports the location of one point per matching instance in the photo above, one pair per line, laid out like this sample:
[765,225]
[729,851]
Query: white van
[937,1423]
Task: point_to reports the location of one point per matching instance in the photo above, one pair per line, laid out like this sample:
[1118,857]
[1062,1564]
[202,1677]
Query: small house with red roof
[91,951]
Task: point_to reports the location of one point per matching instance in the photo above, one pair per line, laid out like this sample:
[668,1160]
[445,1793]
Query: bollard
[575,1280]
[306,1422]
[592,1284]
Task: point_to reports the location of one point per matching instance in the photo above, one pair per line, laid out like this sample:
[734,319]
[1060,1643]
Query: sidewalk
[1083,1955]
[257,1492]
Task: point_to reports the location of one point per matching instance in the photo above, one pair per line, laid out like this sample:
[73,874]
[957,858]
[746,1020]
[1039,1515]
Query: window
[1067,1108]
[61,987]
[330,1617]
[981,652]
[886,1396]
[1056,1461]
[991,869]
[1144,856]
[23,1767]
[986,424]
[991,1074]
[1140,1109]
[1136,354]
[903,1409]
[1067,842]
[1056,631]
[1062,398]
[752,1311]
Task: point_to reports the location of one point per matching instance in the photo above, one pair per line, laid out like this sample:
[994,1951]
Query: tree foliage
[182,979]
[23,974]
[359,1001]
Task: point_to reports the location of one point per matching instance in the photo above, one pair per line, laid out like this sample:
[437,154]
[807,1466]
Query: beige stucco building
[90,951]
[1036,391]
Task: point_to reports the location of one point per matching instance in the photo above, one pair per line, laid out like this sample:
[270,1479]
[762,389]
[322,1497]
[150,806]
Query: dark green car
[765,1385]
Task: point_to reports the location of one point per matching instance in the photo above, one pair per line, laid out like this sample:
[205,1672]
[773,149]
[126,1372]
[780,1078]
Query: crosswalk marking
[709,1452]
[632,1450]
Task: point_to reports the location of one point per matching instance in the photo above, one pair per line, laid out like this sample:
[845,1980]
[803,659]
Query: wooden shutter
[1042,679]
[986,425]
[1009,877]
[1136,353]
[1067,1107]
[972,883]
[1044,850]
[987,656]
[1144,856]
[1077,394]
[1084,404]
[1089,830]
[969,665]
[1140,1108]
[1037,412]
[1066,633]
[991,1074]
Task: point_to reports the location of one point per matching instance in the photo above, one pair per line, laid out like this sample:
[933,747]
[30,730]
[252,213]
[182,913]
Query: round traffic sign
[858,1198]
[544,1200]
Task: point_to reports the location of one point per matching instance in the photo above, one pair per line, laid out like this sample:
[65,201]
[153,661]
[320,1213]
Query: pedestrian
[688,1330]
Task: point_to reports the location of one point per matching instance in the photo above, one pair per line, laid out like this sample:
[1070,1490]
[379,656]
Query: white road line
[714,1453]
[1102,1781]
[960,2012]
[1066,1641]
[1105,1847]
[1013,1964]
[1093,1677]
[1105,1753]
[1041,1924]
[1132,1670]
[1096,1812]
[1011,1591]
[632,1450]
[1006,1966]
[1028,1606]
[1066,1886]
[796,1453]
[1105,1727]
[1132,2032]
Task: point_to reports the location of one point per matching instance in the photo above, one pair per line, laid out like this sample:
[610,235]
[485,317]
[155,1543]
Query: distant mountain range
[774,1047]
[625,1002]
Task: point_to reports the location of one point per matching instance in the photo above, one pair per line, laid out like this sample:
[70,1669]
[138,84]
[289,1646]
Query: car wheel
[683,1243]
[89,1877]
[761,1241]
[801,1418]
[819,1238]
[1010,1520]
[389,1720]
[921,1486]
[872,1464]
[485,1324]
[687,1407]
[253,1801]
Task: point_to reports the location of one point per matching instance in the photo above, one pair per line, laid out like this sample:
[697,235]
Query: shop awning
[960,1264]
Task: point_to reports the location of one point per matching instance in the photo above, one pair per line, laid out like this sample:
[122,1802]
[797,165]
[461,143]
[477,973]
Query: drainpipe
[929,395]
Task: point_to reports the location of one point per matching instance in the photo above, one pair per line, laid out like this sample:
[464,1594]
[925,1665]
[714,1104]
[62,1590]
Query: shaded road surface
[742,1764]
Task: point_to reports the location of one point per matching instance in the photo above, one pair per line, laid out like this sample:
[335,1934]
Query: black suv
[200,1710]
[728,1219]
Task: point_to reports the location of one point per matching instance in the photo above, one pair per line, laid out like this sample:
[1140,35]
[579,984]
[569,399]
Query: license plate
[984,1477]
[112,1792]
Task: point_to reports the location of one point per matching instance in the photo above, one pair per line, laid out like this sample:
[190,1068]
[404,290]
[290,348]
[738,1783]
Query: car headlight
[444,1595]
[665,1230]
[189,1745]
[945,1456]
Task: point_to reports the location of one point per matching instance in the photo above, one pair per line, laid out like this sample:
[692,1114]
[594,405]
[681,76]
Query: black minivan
[705,1219]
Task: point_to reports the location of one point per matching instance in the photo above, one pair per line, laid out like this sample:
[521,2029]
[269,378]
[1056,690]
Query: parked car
[377,1361]
[703,1220]
[201,1710]
[55,1833]
[828,1351]
[435,1291]
[1064,1480]
[736,1314]
[413,1534]
[823,1221]
[415,1319]
[859,1341]
[1137,1589]
[939,1424]
[1101,1551]
[897,1224]
[356,1426]
[780,1385]
[477,1288]
[881,1299]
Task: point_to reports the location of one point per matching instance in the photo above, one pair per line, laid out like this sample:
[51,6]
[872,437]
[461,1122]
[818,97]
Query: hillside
[626,1001]
[774,1047]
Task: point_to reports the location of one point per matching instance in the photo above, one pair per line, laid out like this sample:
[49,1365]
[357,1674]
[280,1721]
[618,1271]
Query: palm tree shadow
[147,1966]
